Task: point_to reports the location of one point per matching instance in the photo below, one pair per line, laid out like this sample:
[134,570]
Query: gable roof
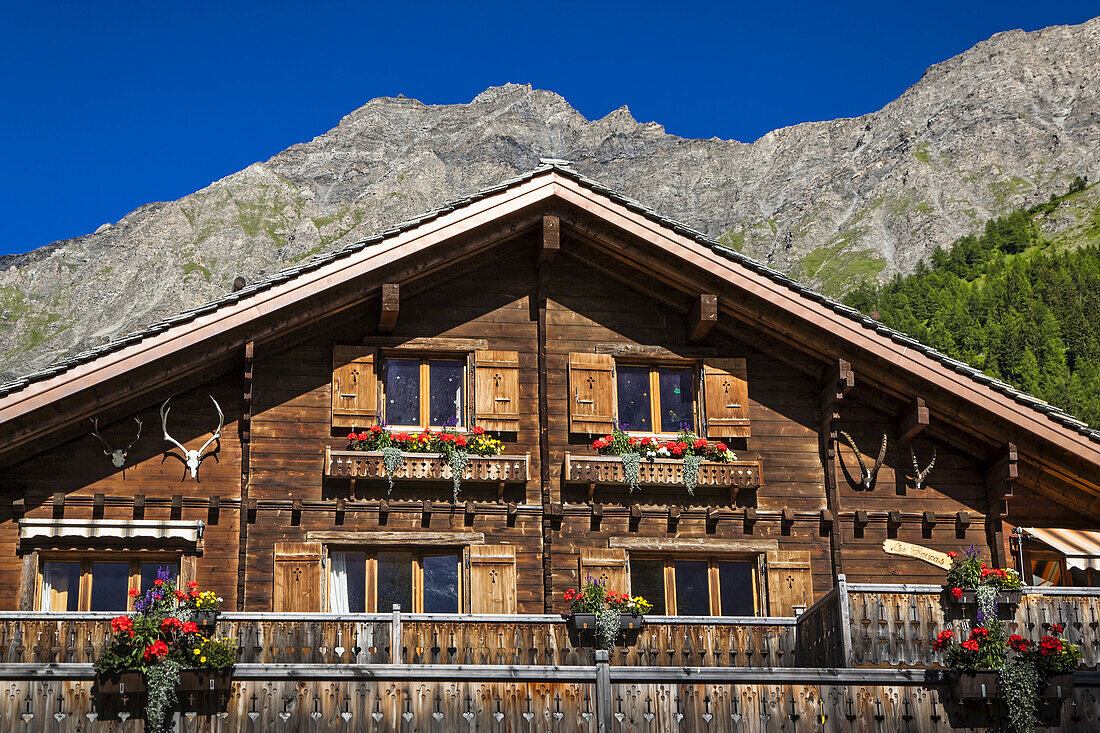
[23,395]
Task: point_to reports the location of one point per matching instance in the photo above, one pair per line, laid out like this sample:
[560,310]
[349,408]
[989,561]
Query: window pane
[445,380]
[149,571]
[632,383]
[60,586]
[348,582]
[647,579]
[110,583]
[441,584]
[677,400]
[402,391]
[692,593]
[735,587]
[394,581]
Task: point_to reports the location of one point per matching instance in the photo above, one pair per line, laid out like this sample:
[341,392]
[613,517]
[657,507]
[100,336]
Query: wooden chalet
[544,310]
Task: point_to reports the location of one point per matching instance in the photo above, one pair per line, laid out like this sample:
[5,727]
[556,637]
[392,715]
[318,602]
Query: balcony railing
[661,472]
[427,467]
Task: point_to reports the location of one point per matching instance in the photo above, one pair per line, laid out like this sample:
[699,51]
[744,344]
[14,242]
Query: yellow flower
[196,651]
[202,659]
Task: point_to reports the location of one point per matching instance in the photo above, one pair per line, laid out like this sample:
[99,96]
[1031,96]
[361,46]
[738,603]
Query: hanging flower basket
[206,621]
[981,684]
[1059,686]
[205,690]
[1003,597]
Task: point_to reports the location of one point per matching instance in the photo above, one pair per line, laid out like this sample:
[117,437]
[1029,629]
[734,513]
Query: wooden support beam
[213,509]
[98,500]
[551,239]
[1001,474]
[962,520]
[826,521]
[835,385]
[713,515]
[383,511]
[913,420]
[673,518]
[862,518]
[19,507]
[750,520]
[702,317]
[893,518]
[929,519]
[245,428]
[391,303]
[59,505]
[341,509]
[177,506]
[139,506]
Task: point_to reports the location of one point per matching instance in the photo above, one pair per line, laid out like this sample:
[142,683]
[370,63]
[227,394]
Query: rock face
[1004,124]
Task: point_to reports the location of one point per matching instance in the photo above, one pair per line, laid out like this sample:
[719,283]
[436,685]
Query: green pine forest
[1019,300]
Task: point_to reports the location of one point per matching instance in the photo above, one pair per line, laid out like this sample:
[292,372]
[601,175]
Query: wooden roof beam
[913,420]
[391,304]
[702,317]
[551,239]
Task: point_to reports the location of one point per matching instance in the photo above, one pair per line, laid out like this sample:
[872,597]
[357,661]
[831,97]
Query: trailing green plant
[688,446]
[608,606]
[393,460]
[162,680]
[457,458]
[452,445]
[1020,685]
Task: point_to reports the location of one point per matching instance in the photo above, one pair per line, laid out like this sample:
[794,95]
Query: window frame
[424,388]
[714,590]
[86,559]
[370,576]
[654,366]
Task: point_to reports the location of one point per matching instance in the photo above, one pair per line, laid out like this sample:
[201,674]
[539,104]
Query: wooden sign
[897,547]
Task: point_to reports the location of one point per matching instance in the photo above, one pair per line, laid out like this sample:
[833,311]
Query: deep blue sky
[110,105]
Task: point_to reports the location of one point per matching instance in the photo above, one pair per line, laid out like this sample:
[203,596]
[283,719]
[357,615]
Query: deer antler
[192,458]
[217,431]
[164,410]
[95,432]
[136,437]
[919,476]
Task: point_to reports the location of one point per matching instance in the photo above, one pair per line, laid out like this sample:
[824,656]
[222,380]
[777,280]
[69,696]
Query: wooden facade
[543,295]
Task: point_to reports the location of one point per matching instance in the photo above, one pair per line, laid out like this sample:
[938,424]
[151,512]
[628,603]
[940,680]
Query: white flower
[662,451]
[650,454]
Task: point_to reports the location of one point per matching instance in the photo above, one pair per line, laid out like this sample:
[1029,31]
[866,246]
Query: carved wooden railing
[895,625]
[663,641]
[427,467]
[661,472]
[821,638]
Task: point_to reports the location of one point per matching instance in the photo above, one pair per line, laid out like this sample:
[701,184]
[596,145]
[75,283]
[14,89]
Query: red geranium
[570,595]
[353,436]
[970,645]
[1019,643]
[376,428]
[979,632]
[478,430]
[699,444]
[460,441]
[169,624]
[1056,629]
[192,585]
[943,640]
[189,627]
[134,593]
[952,554]
[1050,645]
[122,623]
[156,649]
[722,448]
[956,592]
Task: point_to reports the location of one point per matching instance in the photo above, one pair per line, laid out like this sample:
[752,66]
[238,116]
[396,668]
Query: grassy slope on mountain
[1017,300]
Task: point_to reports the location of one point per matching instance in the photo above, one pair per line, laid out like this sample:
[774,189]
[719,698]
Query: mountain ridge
[831,202]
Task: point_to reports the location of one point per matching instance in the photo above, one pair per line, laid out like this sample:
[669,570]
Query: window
[422,393]
[696,586]
[99,583]
[421,581]
[655,399]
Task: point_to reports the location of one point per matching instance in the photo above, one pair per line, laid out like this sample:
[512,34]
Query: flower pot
[120,692]
[205,690]
[978,685]
[631,622]
[581,621]
[1058,686]
[206,621]
[1003,597]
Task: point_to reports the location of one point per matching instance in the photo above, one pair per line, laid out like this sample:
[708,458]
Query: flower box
[978,685]
[427,467]
[1058,686]
[206,621]
[1004,597]
[583,626]
[120,692]
[661,472]
[631,622]
[581,621]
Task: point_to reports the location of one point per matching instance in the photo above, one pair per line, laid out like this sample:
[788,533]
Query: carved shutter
[790,583]
[591,393]
[354,387]
[607,565]
[492,578]
[297,577]
[496,390]
[726,398]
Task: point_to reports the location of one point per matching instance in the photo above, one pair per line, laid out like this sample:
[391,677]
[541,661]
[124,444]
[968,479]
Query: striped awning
[1080,546]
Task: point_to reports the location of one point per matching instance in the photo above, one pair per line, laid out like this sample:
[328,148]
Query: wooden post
[396,643]
[702,317]
[844,607]
[246,442]
[835,385]
[913,420]
[548,252]
[604,708]
[28,581]
[551,239]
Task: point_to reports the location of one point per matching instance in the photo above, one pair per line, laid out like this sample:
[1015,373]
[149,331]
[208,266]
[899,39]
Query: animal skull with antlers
[118,455]
[192,457]
[866,478]
[919,476]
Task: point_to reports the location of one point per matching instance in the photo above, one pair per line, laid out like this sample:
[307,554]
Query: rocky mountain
[1000,126]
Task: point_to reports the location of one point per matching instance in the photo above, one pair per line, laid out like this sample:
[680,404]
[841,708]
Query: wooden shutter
[790,583]
[591,393]
[726,398]
[297,577]
[354,387]
[491,578]
[606,565]
[496,390]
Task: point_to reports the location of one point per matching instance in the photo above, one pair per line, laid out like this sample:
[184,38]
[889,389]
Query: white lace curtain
[338,583]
